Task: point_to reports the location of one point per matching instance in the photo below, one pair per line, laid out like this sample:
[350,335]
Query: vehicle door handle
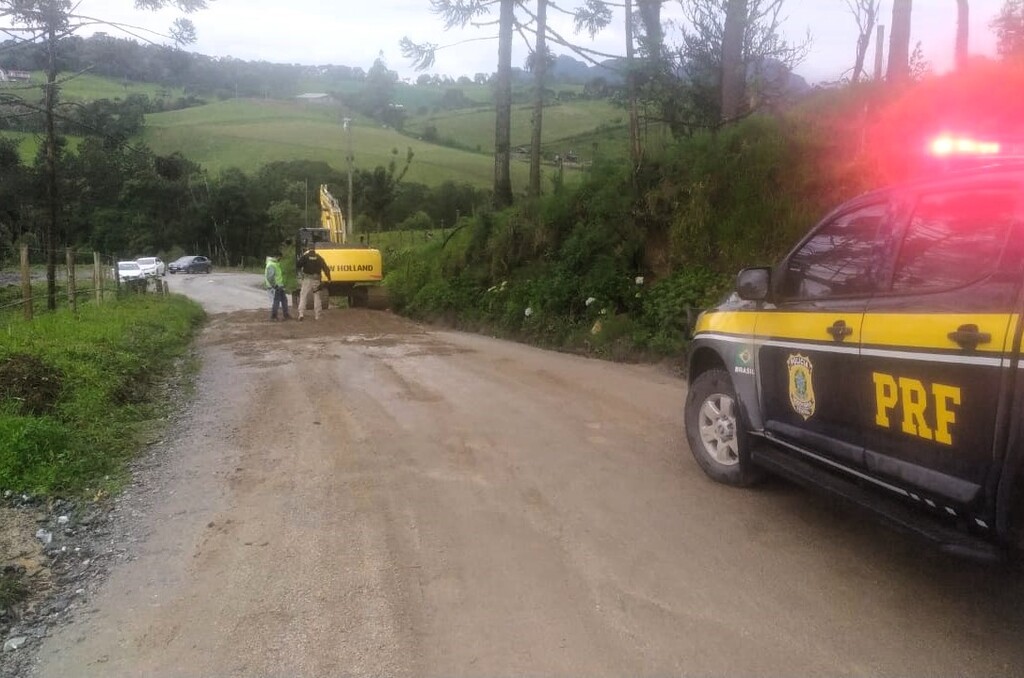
[968,336]
[839,330]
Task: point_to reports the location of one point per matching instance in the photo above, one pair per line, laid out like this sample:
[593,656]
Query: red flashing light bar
[946,146]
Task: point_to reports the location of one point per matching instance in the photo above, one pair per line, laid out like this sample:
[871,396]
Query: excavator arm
[331,216]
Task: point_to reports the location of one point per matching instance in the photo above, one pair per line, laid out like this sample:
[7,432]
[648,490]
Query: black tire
[716,431]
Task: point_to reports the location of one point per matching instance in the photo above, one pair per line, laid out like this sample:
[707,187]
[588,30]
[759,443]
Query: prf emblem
[801,385]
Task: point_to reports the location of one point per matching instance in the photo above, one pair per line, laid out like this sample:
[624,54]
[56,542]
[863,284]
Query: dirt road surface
[367,496]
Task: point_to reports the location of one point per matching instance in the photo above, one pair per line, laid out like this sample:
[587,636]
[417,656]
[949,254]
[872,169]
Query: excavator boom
[331,216]
[356,270]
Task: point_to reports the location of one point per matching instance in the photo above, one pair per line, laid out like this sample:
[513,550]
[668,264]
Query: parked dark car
[190,264]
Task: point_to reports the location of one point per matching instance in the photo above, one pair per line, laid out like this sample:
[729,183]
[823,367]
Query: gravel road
[367,496]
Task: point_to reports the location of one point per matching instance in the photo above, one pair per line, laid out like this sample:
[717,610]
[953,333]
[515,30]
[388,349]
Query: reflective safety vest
[273,272]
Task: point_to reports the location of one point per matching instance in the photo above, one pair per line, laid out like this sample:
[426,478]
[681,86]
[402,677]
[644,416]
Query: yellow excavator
[356,269]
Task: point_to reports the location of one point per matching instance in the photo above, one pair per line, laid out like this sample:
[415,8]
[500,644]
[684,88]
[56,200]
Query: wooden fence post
[97,277]
[70,256]
[26,284]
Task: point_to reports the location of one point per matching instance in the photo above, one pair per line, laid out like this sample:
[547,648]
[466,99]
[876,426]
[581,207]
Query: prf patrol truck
[880,360]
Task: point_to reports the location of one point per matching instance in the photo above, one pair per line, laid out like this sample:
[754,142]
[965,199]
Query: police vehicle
[880,360]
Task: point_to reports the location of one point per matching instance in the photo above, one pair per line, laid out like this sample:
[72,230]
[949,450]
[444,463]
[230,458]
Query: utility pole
[349,217]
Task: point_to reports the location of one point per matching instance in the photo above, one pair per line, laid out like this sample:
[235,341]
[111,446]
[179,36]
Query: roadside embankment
[80,394]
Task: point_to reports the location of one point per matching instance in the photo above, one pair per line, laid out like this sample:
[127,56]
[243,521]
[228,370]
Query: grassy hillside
[29,143]
[474,128]
[413,97]
[246,133]
[86,87]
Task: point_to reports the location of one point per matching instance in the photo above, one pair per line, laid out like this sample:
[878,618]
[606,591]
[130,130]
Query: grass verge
[77,391]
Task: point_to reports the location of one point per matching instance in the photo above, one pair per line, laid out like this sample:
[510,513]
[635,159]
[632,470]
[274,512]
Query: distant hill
[570,70]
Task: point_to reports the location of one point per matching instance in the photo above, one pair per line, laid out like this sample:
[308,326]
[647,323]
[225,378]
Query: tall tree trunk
[540,66]
[51,168]
[634,113]
[863,42]
[503,109]
[963,17]
[654,37]
[899,42]
[733,72]
[879,53]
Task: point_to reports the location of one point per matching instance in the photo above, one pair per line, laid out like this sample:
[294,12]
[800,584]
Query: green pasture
[29,143]
[413,97]
[474,128]
[88,87]
[248,133]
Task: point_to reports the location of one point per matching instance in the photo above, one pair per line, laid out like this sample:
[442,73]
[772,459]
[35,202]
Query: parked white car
[151,266]
[129,270]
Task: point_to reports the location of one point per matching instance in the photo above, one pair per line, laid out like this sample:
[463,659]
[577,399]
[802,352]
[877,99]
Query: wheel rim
[717,424]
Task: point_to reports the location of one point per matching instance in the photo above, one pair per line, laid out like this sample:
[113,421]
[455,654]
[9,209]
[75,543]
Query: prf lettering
[927,413]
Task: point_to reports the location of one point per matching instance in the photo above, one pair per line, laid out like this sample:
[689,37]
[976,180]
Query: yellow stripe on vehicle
[727,322]
[931,330]
[809,326]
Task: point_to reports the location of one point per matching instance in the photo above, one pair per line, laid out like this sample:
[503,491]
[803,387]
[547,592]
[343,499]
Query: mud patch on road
[261,342]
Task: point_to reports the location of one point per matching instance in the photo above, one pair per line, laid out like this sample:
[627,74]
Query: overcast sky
[354,32]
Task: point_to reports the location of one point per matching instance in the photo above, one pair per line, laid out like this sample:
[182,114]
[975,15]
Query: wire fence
[80,277]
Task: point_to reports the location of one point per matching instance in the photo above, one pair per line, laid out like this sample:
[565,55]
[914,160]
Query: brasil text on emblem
[801,385]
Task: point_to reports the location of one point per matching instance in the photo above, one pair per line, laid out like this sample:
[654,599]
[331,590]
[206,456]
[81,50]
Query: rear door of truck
[940,340]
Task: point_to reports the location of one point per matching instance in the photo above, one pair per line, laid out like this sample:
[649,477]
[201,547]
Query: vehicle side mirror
[753,284]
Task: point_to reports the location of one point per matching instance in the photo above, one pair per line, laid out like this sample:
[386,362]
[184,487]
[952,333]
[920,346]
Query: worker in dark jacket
[311,265]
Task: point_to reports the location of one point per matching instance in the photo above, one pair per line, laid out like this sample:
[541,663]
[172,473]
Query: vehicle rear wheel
[716,432]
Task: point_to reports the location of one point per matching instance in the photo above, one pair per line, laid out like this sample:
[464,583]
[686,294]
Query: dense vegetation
[592,267]
[77,390]
[621,264]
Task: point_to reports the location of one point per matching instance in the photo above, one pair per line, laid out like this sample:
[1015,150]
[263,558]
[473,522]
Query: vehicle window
[841,258]
[954,239]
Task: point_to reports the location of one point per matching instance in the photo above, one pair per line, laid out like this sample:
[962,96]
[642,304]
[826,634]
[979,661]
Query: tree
[865,13]
[712,91]
[963,15]
[540,67]
[653,35]
[734,74]
[462,13]
[380,187]
[899,42]
[1009,29]
[49,22]
[594,14]
[377,97]
[503,108]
